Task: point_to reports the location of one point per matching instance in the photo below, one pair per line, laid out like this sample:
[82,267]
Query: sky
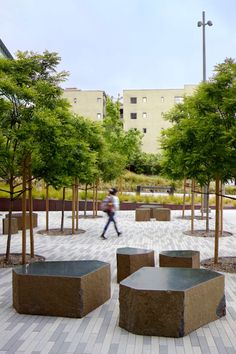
[127,44]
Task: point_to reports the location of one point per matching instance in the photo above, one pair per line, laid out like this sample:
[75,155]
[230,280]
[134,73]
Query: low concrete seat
[131,259]
[14,226]
[64,288]
[170,302]
[161,214]
[142,214]
[18,216]
[151,207]
[180,258]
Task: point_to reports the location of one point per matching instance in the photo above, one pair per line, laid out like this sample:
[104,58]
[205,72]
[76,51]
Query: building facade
[4,52]
[144,109]
[88,103]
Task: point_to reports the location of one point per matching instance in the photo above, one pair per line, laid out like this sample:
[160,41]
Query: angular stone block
[151,207]
[170,302]
[161,214]
[131,259]
[18,216]
[180,258]
[65,288]
[14,226]
[142,214]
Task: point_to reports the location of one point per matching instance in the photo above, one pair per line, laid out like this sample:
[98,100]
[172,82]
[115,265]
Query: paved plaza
[98,332]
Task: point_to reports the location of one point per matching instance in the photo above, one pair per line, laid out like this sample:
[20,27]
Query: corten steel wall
[56,205]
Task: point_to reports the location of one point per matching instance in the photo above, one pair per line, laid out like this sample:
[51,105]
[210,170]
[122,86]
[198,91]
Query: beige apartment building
[88,103]
[144,109]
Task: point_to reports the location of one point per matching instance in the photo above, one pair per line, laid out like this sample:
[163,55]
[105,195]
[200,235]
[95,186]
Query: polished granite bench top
[179,253]
[60,268]
[132,250]
[168,279]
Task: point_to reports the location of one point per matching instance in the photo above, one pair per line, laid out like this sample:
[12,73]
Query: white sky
[127,44]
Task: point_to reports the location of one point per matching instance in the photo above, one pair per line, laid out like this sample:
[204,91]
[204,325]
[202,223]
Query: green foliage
[202,144]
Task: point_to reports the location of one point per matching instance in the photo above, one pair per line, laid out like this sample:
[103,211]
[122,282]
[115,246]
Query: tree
[201,144]
[29,96]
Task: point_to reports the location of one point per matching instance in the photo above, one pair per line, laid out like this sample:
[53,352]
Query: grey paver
[98,332]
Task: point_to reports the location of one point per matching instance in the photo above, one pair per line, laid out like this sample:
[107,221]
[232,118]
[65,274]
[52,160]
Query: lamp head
[209,23]
[199,24]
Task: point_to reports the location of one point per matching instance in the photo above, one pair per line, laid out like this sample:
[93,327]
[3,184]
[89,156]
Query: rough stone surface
[142,214]
[18,216]
[131,259]
[66,288]
[162,214]
[180,258]
[170,302]
[14,226]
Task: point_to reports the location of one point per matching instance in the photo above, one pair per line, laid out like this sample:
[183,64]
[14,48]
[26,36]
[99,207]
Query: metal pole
[203,25]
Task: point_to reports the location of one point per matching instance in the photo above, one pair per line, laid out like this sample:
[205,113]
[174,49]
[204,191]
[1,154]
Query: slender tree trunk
[47,208]
[202,201]
[221,208]
[192,206]
[86,199]
[24,176]
[73,208]
[184,199]
[63,208]
[217,220]
[8,249]
[31,212]
[96,197]
[94,201]
[207,209]
[77,203]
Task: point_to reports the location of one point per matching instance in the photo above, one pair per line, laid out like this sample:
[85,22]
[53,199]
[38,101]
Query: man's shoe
[103,237]
[119,234]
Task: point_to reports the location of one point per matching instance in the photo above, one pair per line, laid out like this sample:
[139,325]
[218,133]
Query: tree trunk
[77,203]
[47,208]
[217,220]
[63,208]
[30,211]
[207,208]
[192,206]
[202,201]
[221,208]
[8,249]
[94,201]
[184,199]
[24,176]
[96,197]
[73,208]
[85,199]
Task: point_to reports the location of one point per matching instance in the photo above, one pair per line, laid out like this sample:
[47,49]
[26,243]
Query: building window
[99,100]
[179,99]
[75,100]
[162,99]
[144,114]
[99,115]
[144,99]
[133,99]
[144,130]
[133,115]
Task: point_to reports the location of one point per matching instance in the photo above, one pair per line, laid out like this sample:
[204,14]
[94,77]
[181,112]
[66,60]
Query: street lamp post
[203,24]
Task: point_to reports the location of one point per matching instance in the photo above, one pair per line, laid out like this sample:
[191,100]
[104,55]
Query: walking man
[113,204]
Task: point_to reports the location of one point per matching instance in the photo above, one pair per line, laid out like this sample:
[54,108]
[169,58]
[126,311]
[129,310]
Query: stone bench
[18,216]
[131,259]
[151,207]
[170,302]
[161,214]
[14,226]
[64,288]
[180,258]
[142,214]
